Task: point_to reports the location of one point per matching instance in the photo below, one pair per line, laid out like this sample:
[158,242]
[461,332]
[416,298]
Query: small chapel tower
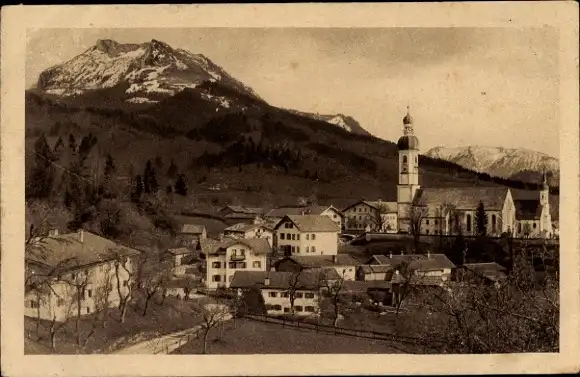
[545,217]
[408,184]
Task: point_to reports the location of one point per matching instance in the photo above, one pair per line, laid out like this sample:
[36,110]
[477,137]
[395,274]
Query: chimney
[81,235]
[335,259]
[380,201]
[267,280]
[53,233]
[390,254]
[402,252]
[428,254]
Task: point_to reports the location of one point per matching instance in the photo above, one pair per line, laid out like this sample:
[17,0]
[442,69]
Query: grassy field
[174,315]
[251,337]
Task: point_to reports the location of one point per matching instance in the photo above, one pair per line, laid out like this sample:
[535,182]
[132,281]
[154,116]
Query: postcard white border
[17,19]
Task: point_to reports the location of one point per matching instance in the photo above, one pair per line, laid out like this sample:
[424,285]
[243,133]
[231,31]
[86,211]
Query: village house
[277,214]
[279,287]
[182,258]
[242,230]
[371,216]
[190,234]
[242,214]
[425,268]
[306,235]
[481,273]
[75,267]
[226,256]
[343,264]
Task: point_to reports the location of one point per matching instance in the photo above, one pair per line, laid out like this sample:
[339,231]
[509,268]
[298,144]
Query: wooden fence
[367,334]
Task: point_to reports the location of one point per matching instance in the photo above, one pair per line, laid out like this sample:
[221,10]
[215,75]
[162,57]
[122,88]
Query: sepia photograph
[231,190]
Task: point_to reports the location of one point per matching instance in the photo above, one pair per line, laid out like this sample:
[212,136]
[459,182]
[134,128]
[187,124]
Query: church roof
[463,198]
[408,142]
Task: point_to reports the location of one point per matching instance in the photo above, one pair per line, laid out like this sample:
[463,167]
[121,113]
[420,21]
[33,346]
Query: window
[313,249]
[436,222]
[286,309]
[216,278]
[284,294]
[273,294]
[309,295]
[257,264]
[88,310]
[468,222]
[307,237]
[427,222]
[307,249]
[241,265]
[313,237]
[281,236]
[298,237]
[519,227]
[73,276]
[293,237]
[427,231]
[90,292]
[404,159]
[298,294]
[309,309]
[298,249]
[360,217]
[293,249]
[60,302]
[534,225]
[216,265]
[277,307]
[298,308]
[493,223]
[232,264]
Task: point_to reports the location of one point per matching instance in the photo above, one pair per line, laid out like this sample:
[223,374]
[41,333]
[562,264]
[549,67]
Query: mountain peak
[144,70]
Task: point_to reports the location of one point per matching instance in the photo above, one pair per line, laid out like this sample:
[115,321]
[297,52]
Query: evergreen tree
[458,249]
[146,179]
[153,184]
[59,145]
[42,172]
[480,220]
[72,142]
[180,185]
[172,170]
[138,190]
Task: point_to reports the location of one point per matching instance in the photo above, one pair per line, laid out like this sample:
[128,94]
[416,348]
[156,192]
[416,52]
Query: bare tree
[153,276]
[125,287]
[378,217]
[333,289]
[519,315]
[294,285]
[417,214]
[212,314]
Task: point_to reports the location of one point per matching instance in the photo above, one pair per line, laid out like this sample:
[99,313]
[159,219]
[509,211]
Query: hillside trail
[164,344]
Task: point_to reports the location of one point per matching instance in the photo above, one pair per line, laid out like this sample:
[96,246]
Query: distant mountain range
[150,101]
[519,164]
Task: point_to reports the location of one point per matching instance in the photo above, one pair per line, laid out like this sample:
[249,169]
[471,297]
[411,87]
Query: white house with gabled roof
[306,235]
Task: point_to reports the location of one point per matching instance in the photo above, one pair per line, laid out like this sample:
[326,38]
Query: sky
[465,86]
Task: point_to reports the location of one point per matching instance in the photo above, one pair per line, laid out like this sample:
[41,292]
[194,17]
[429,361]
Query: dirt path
[166,343]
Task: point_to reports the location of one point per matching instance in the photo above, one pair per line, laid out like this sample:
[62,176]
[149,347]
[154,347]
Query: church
[452,210]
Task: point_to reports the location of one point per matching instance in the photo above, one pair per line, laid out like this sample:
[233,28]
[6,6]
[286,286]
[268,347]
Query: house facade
[344,265]
[426,269]
[277,289]
[373,216]
[244,231]
[223,258]
[81,273]
[306,235]
[190,234]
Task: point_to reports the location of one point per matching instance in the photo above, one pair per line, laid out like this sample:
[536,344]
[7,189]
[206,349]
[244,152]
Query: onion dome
[408,119]
[408,142]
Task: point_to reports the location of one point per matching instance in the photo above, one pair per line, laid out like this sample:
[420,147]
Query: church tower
[545,217]
[408,184]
